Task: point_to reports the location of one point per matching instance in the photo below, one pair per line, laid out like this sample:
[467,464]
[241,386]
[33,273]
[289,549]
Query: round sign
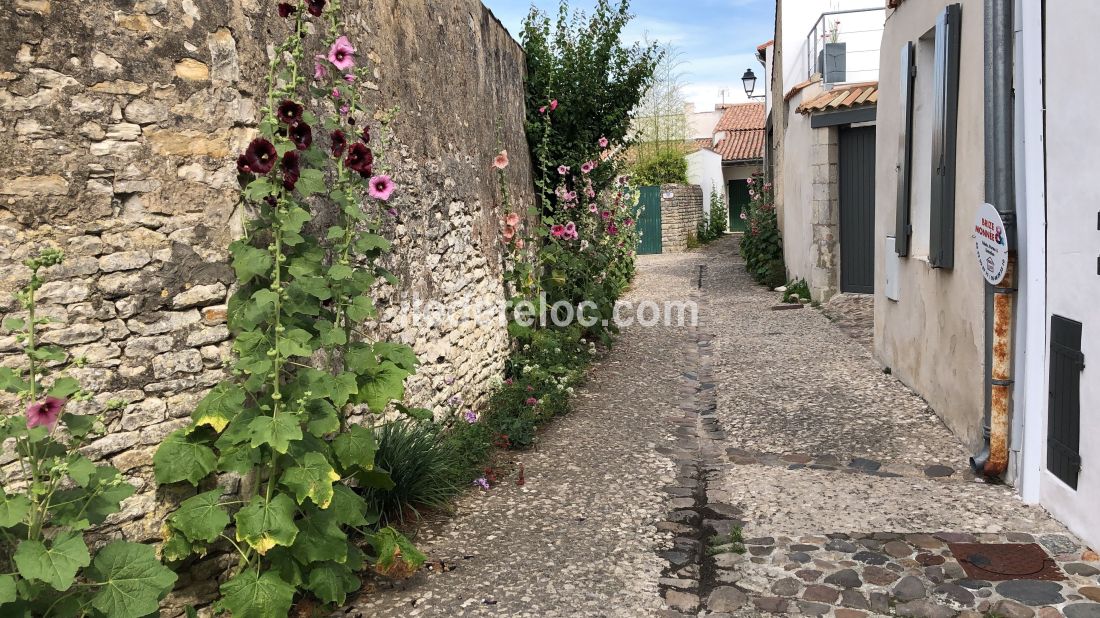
[991,242]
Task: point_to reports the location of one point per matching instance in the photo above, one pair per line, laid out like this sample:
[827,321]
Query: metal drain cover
[1005,561]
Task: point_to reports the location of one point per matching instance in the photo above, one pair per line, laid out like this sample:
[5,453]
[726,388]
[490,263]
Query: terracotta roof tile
[801,86]
[742,116]
[842,97]
[743,125]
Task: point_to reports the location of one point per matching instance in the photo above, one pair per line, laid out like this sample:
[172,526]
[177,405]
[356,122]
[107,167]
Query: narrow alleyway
[759,463]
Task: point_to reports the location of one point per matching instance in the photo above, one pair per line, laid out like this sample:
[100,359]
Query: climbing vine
[46,568]
[318,194]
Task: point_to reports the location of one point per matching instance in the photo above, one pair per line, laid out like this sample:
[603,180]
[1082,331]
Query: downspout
[1000,191]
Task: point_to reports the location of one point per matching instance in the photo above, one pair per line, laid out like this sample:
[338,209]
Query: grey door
[857,210]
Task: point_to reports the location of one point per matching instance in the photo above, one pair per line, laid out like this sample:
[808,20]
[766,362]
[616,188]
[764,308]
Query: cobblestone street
[759,463]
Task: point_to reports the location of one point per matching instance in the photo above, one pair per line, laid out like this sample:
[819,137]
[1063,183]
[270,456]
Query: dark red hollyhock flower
[289,112]
[366,135]
[259,158]
[360,159]
[286,9]
[315,7]
[339,143]
[292,169]
[242,165]
[302,135]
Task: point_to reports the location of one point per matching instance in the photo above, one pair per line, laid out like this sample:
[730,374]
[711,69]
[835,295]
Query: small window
[1064,409]
[941,236]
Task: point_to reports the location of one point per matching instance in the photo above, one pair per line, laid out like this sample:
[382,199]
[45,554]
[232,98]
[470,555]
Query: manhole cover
[1005,561]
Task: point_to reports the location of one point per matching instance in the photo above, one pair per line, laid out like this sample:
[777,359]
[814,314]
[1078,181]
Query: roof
[815,78]
[849,96]
[764,46]
[744,127]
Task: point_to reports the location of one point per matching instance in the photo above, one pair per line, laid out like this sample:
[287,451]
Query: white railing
[843,46]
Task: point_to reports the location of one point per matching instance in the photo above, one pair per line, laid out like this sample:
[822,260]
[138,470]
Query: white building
[731,154]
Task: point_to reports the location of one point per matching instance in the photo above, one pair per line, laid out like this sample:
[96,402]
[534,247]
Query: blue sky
[717,38]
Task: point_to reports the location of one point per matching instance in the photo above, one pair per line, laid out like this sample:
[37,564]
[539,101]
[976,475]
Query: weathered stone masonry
[681,213]
[119,130]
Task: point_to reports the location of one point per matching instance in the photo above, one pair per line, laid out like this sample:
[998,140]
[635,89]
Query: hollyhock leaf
[13,510]
[342,387]
[361,308]
[48,354]
[250,595]
[176,547]
[331,582]
[93,504]
[81,470]
[14,324]
[239,458]
[420,414]
[347,507]
[312,181]
[58,564]
[311,477]
[245,315]
[64,387]
[397,556]
[258,189]
[314,286]
[319,538]
[340,272]
[264,525]
[277,432]
[132,581]
[201,517]
[11,381]
[296,342]
[79,425]
[380,386]
[355,447]
[335,232]
[284,147]
[323,418]
[378,479]
[286,566]
[295,219]
[7,589]
[250,262]
[372,242]
[179,459]
[219,406]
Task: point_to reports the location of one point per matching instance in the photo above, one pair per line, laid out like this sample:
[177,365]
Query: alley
[759,463]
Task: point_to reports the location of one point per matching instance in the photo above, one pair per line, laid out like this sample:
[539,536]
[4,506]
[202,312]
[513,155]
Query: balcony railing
[843,46]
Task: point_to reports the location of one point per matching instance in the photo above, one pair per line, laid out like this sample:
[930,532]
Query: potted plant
[832,60]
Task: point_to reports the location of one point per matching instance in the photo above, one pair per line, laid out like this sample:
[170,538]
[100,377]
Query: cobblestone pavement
[760,463]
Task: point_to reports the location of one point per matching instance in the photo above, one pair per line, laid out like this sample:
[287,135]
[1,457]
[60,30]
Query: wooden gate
[738,203]
[857,210]
[648,213]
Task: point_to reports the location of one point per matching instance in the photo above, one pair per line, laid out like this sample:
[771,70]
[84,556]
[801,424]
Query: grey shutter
[945,123]
[1064,407]
[903,229]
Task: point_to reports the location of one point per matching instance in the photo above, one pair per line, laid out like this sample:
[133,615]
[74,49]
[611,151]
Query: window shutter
[1064,408]
[903,229]
[945,124]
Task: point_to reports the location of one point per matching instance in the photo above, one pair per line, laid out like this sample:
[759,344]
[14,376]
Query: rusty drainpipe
[1000,300]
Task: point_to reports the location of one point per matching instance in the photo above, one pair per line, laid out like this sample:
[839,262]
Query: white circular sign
[991,242]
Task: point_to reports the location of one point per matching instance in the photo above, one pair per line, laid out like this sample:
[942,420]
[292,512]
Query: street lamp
[749,80]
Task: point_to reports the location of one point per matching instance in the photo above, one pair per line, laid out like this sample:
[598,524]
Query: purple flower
[45,413]
[532,401]
[381,187]
[289,112]
[259,158]
[319,71]
[482,483]
[302,135]
[455,400]
[470,416]
[342,54]
[349,78]
[391,212]
[366,135]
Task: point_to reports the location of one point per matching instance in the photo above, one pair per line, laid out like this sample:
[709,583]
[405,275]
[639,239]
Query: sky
[717,38]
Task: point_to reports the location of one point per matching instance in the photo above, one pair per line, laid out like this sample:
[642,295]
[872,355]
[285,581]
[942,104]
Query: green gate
[648,212]
[739,203]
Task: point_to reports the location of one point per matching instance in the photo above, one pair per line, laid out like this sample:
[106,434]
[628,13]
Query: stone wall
[681,212]
[120,126]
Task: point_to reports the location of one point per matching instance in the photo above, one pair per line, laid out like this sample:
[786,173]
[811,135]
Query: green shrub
[472,446]
[762,246]
[668,166]
[421,465]
[796,289]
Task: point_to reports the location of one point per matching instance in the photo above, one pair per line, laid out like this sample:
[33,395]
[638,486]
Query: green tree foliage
[666,166]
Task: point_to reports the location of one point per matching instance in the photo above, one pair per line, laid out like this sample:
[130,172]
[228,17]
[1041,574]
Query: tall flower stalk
[303,361]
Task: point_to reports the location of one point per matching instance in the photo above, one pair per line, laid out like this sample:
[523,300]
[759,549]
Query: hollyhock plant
[319,71]
[290,112]
[302,135]
[339,143]
[501,160]
[553,105]
[286,9]
[360,159]
[292,169]
[509,232]
[342,54]
[563,169]
[570,231]
[260,156]
[557,230]
[45,413]
[365,136]
[588,167]
[603,142]
[605,215]
[315,7]
[542,110]
[520,243]
[612,229]
[512,219]
[532,401]
[381,187]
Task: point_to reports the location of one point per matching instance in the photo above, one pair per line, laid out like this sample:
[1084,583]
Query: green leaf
[323,418]
[7,589]
[178,459]
[201,517]
[14,324]
[250,313]
[371,242]
[312,181]
[248,595]
[250,262]
[278,431]
[397,353]
[320,538]
[335,232]
[361,308]
[132,580]
[331,336]
[79,425]
[11,381]
[314,286]
[355,447]
[264,524]
[340,272]
[381,385]
[331,582]
[295,342]
[219,406]
[342,387]
[258,189]
[57,564]
[13,509]
[64,387]
[378,479]
[295,219]
[81,470]
[312,478]
[397,556]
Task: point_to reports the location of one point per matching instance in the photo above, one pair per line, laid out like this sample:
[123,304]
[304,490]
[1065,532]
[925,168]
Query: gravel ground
[847,488]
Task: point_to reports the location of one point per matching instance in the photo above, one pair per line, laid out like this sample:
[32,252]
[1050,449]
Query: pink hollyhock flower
[629,222]
[349,78]
[501,160]
[542,110]
[603,142]
[563,169]
[342,54]
[553,105]
[593,208]
[319,71]
[381,187]
[557,230]
[336,93]
[749,181]
[520,243]
[532,401]
[590,192]
[744,217]
[344,110]
[571,196]
[570,230]
[509,232]
[605,215]
[512,219]
[508,381]
[588,167]
[612,229]
[45,413]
